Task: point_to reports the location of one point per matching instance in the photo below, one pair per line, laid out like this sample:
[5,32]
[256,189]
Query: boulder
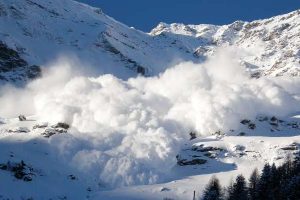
[53,131]
[251,126]
[41,125]
[61,125]
[193,135]
[291,147]
[22,118]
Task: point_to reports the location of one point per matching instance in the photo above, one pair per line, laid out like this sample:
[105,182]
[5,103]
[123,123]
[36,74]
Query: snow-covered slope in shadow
[89,135]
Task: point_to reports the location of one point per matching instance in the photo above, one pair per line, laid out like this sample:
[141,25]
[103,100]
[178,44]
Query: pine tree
[296,165]
[212,190]
[290,183]
[274,182]
[253,182]
[239,189]
[288,168]
[292,188]
[229,189]
[263,187]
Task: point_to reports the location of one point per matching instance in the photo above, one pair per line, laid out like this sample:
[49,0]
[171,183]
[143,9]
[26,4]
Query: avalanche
[132,130]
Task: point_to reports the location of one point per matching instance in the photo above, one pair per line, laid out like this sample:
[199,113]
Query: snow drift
[129,132]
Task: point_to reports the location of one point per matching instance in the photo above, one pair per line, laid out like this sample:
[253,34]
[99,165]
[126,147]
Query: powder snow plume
[129,132]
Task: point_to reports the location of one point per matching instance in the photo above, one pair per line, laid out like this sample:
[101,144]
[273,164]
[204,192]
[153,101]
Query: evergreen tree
[296,165]
[263,186]
[229,189]
[287,168]
[212,190]
[292,188]
[239,189]
[290,183]
[274,182]
[253,182]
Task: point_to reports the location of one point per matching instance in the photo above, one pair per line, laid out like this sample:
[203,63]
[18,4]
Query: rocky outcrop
[198,155]
[58,128]
[15,69]
[20,170]
[195,161]
[18,130]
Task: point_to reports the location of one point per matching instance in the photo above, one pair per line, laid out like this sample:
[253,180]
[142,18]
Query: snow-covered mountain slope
[271,46]
[14,68]
[94,136]
[37,161]
[43,31]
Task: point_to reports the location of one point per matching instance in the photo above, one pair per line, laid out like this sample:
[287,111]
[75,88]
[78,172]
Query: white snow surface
[126,130]
[126,133]
[44,31]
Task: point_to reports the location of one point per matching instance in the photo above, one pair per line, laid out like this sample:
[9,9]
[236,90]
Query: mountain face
[272,44]
[43,31]
[146,138]
[15,69]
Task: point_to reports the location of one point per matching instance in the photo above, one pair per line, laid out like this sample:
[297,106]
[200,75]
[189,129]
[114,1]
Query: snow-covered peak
[182,29]
[79,137]
[271,46]
[44,31]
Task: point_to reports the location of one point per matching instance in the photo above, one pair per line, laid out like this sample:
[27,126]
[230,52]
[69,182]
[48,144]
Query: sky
[146,14]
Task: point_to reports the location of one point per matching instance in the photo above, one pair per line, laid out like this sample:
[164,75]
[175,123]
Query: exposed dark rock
[192,135]
[33,72]
[20,170]
[53,131]
[52,12]
[239,148]
[245,121]
[19,130]
[274,123]
[107,45]
[164,189]
[210,155]
[197,161]
[219,133]
[43,125]
[274,119]
[291,147]
[242,134]
[13,68]
[256,75]
[202,148]
[141,70]
[251,126]
[58,128]
[61,125]
[72,177]
[293,124]
[22,118]
[16,13]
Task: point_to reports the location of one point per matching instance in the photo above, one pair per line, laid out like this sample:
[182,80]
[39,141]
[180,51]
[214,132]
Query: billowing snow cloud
[131,130]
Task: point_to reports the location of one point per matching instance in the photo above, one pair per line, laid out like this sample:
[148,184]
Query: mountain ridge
[43,31]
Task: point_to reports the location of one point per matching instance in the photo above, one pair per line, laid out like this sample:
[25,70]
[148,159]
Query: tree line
[274,183]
